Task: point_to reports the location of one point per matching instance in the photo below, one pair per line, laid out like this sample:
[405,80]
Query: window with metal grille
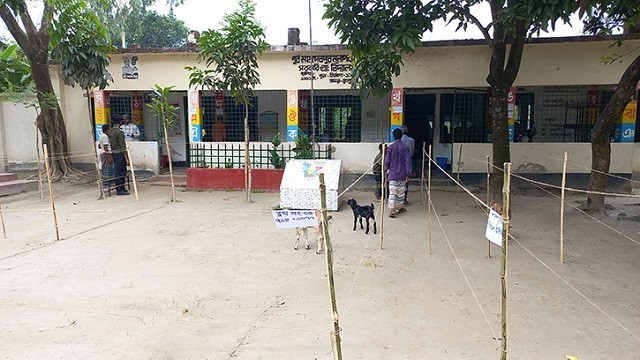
[338,119]
[464,117]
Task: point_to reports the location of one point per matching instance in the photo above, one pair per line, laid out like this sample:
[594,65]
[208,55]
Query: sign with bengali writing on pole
[286,219]
[397,109]
[292,115]
[494,228]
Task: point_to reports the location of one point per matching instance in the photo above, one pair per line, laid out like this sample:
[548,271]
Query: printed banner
[292,114]
[511,112]
[494,228]
[286,219]
[101,110]
[397,102]
[195,115]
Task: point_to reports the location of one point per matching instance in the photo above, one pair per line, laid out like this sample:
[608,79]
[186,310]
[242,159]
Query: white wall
[545,157]
[17,137]
[356,157]
[144,155]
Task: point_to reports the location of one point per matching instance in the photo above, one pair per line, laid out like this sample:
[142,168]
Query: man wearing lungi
[398,161]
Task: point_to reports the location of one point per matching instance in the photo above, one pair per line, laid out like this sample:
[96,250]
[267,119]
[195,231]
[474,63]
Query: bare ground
[211,278]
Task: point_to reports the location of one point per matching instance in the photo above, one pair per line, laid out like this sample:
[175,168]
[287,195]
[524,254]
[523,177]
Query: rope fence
[562,279]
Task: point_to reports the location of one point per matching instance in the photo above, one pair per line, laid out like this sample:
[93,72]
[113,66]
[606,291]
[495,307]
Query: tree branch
[29,26]
[46,20]
[476,22]
[515,51]
[14,28]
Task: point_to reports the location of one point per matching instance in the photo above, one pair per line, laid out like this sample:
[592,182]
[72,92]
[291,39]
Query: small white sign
[286,219]
[494,228]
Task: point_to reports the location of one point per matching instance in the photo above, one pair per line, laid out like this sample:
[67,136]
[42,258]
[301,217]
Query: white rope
[477,199]
[560,187]
[462,270]
[355,182]
[590,216]
[552,271]
[593,170]
[574,289]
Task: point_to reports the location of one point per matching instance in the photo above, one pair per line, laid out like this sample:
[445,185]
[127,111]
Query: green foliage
[304,146]
[152,30]
[230,54]
[605,17]
[15,73]
[277,161]
[141,26]
[162,106]
[81,43]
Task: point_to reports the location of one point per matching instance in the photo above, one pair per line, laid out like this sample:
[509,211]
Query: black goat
[366,212]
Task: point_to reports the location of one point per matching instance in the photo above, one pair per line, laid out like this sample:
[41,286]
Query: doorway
[419,113]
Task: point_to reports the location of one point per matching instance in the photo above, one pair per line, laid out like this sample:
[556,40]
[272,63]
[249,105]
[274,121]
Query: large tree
[130,21]
[380,32]
[152,30]
[34,38]
[603,17]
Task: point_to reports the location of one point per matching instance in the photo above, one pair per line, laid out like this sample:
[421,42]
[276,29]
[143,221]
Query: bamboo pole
[51,195]
[383,194]
[40,187]
[422,179]
[564,182]
[247,159]
[4,231]
[133,174]
[328,250]
[488,201]
[429,197]
[166,141]
[506,191]
[458,172]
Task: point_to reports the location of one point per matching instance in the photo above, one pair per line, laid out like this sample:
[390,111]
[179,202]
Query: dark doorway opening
[419,117]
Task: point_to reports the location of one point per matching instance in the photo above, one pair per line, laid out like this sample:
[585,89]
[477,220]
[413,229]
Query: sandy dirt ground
[210,277]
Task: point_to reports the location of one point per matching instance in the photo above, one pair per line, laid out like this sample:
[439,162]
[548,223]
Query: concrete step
[165,180]
[8,177]
[17,186]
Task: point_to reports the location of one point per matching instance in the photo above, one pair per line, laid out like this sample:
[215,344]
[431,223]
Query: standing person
[377,172]
[398,162]
[104,156]
[130,130]
[407,140]
[219,131]
[120,157]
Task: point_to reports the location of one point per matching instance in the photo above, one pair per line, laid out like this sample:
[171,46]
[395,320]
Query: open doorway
[419,117]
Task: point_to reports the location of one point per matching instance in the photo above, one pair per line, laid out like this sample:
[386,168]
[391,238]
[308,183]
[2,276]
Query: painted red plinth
[233,179]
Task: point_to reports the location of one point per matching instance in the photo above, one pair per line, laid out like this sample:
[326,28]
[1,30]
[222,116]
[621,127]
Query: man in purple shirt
[398,161]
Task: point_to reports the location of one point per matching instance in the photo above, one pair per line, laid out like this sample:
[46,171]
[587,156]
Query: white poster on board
[286,219]
[494,228]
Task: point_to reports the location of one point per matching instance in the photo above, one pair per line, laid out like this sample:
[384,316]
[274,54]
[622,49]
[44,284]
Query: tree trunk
[50,121]
[600,143]
[501,152]
[247,160]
